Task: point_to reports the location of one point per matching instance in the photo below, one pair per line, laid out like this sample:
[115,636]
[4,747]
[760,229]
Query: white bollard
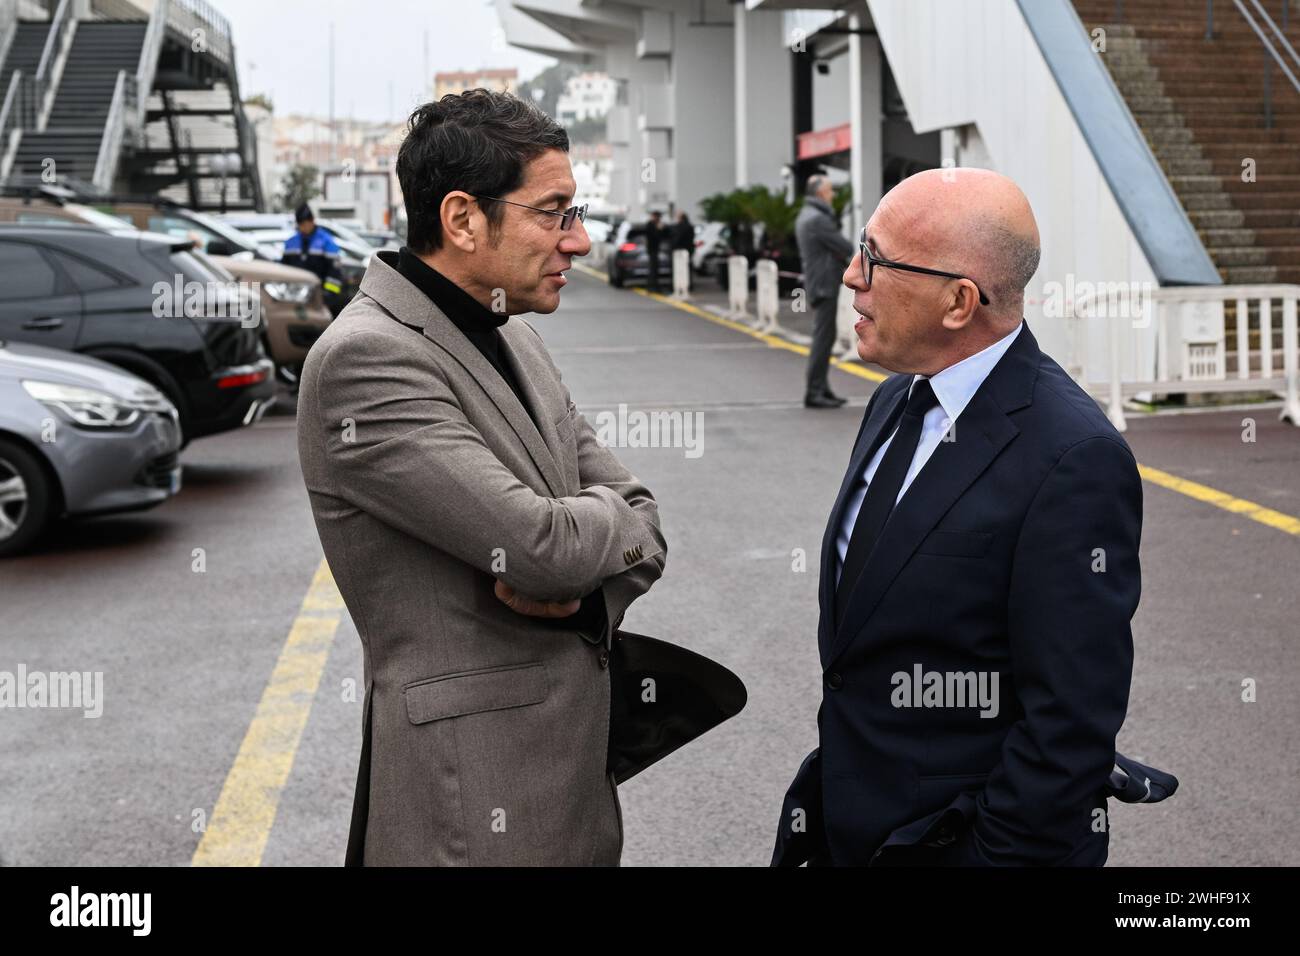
[738,287]
[768,298]
[846,340]
[681,274]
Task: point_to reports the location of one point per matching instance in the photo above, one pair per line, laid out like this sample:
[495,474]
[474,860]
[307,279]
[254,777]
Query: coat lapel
[443,333]
[874,431]
[409,305]
[520,350]
[983,430]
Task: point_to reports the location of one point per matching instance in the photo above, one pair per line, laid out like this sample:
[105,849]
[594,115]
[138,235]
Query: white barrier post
[1115,408]
[846,340]
[681,274]
[768,298]
[1291,407]
[738,288]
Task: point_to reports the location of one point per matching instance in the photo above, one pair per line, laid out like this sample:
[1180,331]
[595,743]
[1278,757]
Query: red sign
[824,142]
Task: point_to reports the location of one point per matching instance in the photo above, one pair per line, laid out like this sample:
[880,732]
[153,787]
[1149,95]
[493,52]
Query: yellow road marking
[1220,499]
[245,812]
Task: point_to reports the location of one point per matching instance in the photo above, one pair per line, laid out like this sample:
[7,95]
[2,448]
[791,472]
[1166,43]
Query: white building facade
[714,94]
[587,96]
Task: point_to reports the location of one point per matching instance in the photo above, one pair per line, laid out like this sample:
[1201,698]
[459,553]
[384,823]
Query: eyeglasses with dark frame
[566,217]
[870,261]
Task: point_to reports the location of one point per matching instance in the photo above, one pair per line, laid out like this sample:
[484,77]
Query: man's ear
[961,307]
[460,220]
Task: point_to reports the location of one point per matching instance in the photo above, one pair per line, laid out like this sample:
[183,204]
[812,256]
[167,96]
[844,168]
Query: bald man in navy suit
[979,570]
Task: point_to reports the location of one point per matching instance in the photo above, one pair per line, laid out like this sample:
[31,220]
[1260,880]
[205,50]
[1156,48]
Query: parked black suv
[148,304]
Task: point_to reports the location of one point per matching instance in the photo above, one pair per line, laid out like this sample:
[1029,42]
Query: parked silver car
[78,437]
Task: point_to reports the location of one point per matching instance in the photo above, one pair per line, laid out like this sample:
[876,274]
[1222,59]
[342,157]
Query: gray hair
[815,183]
[1013,257]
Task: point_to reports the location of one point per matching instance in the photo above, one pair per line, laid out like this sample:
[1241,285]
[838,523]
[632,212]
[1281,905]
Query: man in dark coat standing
[683,236]
[824,252]
[980,567]
[654,236]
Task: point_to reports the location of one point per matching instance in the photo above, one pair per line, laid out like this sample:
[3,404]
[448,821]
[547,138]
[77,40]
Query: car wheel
[24,498]
[616,279]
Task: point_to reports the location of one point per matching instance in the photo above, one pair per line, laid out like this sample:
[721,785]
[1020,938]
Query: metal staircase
[124,105]
[70,142]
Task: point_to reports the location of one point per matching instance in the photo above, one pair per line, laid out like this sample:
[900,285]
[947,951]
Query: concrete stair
[1200,104]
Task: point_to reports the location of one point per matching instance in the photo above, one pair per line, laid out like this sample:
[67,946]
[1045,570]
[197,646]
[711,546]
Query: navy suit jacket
[1015,552]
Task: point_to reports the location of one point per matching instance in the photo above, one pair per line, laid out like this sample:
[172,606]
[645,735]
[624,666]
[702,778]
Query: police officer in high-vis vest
[316,251]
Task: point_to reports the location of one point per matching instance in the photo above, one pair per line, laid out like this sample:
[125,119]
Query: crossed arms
[414,461]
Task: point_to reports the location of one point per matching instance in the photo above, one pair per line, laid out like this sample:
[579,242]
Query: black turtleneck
[479,324]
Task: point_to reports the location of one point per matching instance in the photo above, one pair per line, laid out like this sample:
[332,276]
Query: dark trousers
[823,340]
[653,279]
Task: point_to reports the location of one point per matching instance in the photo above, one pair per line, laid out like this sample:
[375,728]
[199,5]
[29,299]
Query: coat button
[604,658]
[834,681]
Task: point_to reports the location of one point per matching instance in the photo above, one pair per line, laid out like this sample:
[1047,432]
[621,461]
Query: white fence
[1191,353]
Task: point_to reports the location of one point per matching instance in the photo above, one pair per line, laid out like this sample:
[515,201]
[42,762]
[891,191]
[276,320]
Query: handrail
[110,146]
[1268,84]
[9,115]
[184,15]
[56,25]
[1278,34]
[8,27]
[149,53]
[61,25]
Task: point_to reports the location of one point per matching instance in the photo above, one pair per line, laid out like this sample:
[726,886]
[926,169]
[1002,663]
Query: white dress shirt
[954,387]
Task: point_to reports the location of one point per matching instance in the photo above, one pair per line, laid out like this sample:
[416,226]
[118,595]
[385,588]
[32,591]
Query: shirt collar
[956,385]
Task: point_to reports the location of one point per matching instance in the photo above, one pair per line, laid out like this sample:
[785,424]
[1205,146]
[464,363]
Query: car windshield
[227,232]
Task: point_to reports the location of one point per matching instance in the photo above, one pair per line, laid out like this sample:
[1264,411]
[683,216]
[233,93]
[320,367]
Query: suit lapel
[384,284]
[519,349]
[983,429]
[874,431]
[443,333]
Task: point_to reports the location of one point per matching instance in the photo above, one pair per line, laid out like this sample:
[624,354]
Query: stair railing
[10,123]
[186,16]
[1278,38]
[149,53]
[53,57]
[8,27]
[121,117]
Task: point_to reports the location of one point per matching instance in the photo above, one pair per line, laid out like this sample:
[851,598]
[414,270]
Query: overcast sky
[283,51]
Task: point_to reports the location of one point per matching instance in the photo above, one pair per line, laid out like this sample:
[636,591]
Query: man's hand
[522,604]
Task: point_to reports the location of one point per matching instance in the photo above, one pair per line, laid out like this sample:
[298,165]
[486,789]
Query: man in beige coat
[485,543]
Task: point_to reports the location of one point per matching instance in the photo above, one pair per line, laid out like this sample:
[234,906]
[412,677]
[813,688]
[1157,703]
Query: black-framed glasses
[566,217]
[869,263]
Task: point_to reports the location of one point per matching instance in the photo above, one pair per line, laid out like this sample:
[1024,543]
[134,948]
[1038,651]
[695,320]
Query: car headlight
[92,408]
[288,291]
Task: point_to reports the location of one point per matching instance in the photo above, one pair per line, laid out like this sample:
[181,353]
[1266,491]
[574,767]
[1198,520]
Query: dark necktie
[882,492]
